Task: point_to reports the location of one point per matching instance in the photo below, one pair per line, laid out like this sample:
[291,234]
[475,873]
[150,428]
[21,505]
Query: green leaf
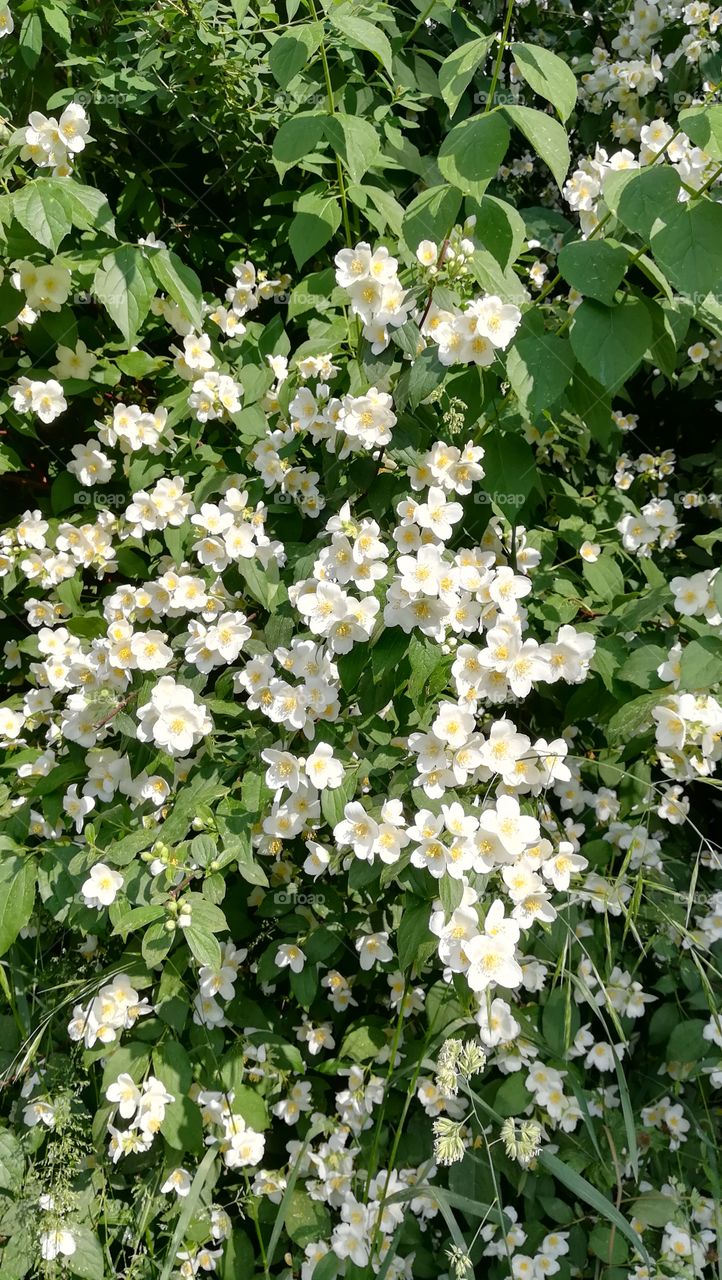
[12,302]
[609,342]
[688,248]
[57,20]
[412,933]
[548,76]
[590,1196]
[137,918]
[88,208]
[204,945]
[547,137]
[317,219]
[701,663]
[180,283]
[40,210]
[512,1097]
[297,138]
[426,374]
[306,1219]
[703,126]
[88,1260]
[594,267]
[510,472]
[538,370]
[363,1041]
[327,1268]
[17,896]
[12,1162]
[500,228]
[654,1209]
[355,140]
[640,196]
[124,284]
[604,577]
[363,35]
[607,1244]
[457,70]
[30,40]
[632,717]
[289,54]
[431,216]
[471,153]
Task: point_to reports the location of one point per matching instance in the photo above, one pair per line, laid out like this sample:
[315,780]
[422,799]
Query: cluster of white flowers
[213,983]
[695,596]
[115,1008]
[240,1145]
[584,190]
[299,706]
[668,1116]
[54,144]
[471,335]
[46,288]
[689,735]
[46,399]
[474,334]
[656,526]
[144,1106]
[377,296]
[648,466]
[525,1266]
[133,428]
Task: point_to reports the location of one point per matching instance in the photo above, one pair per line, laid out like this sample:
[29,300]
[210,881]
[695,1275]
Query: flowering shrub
[359,912]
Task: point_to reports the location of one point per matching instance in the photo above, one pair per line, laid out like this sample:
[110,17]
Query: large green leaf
[688,248]
[317,219]
[548,76]
[471,153]
[431,216]
[609,342]
[362,34]
[297,138]
[180,283]
[355,140]
[457,70]
[499,227]
[125,285]
[703,126]
[290,53]
[547,137]
[510,472]
[594,267]
[538,370]
[17,896]
[639,197]
[42,211]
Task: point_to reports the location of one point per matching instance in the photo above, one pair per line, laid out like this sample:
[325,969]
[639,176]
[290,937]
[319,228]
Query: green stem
[253,1215]
[382,1109]
[332,112]
[499,57]
[419,23]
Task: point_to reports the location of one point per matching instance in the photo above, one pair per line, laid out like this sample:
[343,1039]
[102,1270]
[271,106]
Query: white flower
[178,1180]
[57,1241]
[373,948]
[73,362]
[589,551]
[173,719]
[290,957]
[126,1094]
[102,886]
